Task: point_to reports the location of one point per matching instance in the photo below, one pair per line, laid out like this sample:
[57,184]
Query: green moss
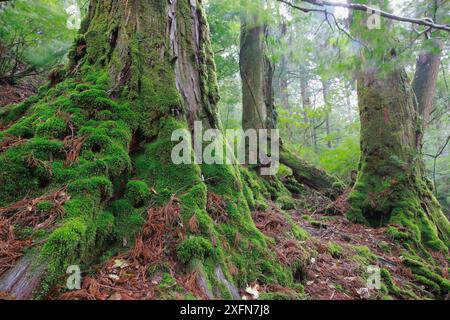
[45,206]
[397,234]
[128,220]
[426,275]
[335,250]
[293,185]
[54,127]
[286,202]
[167,281]
[384,246]
[13,112]
[389,283]
[64,246]
[364,256]
[105,223]
[99,186]
[194,248]
[402,200]
[430,284]
[315,223]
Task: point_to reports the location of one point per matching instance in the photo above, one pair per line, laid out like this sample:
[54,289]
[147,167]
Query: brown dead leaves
[270,222]
[11,249]
[72,147]
[289,251]
[10,141]
[126,276]
[157,233]
[216,207]
[25,213]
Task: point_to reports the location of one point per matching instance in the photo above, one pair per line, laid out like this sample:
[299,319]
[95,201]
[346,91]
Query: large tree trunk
[258,107]
[254,66]
[392,186]
[424,83]
[139,70]
[283,90]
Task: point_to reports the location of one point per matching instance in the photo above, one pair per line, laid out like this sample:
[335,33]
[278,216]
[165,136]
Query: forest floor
[15,93]
[340,255]
[24,88]
[337,257]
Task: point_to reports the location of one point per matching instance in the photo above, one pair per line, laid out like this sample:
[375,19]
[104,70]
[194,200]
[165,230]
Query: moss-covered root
[221,236]
[405,202]
[311,176]
[431,277]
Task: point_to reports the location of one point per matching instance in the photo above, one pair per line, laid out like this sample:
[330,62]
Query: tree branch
[361,7]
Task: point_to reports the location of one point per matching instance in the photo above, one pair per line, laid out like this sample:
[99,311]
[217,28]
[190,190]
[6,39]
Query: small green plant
[335,250]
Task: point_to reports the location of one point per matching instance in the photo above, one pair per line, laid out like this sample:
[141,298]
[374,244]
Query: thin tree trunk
[349,108]
[306,105]
[327,112]
[253,66]
[424,83]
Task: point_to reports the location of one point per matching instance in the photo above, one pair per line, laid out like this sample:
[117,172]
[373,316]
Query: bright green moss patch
[127,220]
[98,186]
[194,248]
[54,127]
[402,201]
[65,241]
[13,112]
[137,193]
[364,256]
[335,250]
[286,202]
[396,234]
[45,206]
[427,275]
[387,280]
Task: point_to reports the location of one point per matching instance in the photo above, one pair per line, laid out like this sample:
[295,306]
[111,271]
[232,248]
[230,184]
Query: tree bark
[306,104]
[424,83]
[254,65]
[258,107]
[392,186]
[283,77]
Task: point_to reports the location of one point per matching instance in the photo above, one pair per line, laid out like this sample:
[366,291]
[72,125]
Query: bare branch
[361,7]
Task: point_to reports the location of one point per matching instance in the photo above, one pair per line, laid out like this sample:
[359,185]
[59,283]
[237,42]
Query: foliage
[35,33]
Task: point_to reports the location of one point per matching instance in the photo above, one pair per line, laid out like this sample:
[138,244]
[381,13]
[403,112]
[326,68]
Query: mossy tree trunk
[392,186]
[254,66]
[139,70]
[424,83]
[282,88]
[258,104]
